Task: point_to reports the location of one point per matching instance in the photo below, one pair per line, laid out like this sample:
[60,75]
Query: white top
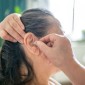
[53,82]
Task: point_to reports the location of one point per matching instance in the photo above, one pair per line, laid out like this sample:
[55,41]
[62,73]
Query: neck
[38,81]
[41,81]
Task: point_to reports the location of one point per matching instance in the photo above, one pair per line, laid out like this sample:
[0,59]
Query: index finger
[14,25]
[17,19]
[48,38]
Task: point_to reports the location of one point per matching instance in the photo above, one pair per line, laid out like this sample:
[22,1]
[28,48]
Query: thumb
[43,47]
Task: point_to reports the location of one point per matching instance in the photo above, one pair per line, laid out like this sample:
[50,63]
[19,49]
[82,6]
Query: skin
[43,68]
[61,55]
[11,28]
[66,63]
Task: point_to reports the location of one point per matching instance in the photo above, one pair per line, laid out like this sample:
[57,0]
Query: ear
[29,40]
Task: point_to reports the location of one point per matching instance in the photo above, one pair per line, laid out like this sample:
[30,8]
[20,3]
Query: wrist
[74,71]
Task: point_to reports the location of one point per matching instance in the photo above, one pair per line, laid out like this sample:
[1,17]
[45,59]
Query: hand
[11,28]
[57,48]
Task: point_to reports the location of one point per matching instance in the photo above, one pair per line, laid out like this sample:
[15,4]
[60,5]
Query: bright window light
[63,10]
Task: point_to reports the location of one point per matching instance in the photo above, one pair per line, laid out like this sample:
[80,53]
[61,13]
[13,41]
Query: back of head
[12,55]
[38,21]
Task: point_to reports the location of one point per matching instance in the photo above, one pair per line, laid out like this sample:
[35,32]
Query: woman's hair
[12,56]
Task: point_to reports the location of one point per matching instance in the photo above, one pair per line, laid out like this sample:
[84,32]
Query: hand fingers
[50,38]
[13,29]
[16,17]
[43,47]
[4,35]
[13,33]
[14,24]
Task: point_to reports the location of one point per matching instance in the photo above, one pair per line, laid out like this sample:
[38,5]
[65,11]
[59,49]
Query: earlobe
[29,40]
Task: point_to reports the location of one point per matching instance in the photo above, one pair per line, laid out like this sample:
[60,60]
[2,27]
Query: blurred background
[70,13]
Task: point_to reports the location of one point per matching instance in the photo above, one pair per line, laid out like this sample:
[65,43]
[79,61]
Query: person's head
[25,63]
